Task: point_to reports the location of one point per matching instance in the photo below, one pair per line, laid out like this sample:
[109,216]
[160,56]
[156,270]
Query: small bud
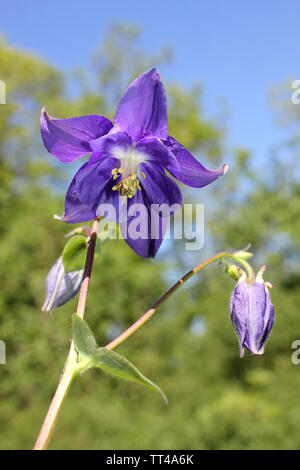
[232,271]
[252,314]
[61,286]
[243,255]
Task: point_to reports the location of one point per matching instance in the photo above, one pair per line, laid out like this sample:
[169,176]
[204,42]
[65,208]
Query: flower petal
[142,110]
[109,204]
[61,286]
[75,211]
[255,321]
[111,142]
[69,139]
[238,312]
[268,327]
[156,152]
[190,171]
[157,189]
[139,222]
[91,179]
[97,191]
[160,189]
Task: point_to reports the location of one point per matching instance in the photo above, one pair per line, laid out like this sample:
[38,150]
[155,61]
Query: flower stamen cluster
[128,185]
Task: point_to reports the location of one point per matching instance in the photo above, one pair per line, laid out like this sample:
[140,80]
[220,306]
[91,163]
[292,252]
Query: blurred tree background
[216,399]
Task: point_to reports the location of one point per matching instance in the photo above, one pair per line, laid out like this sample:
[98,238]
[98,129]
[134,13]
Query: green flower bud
[232,271]
[243,255]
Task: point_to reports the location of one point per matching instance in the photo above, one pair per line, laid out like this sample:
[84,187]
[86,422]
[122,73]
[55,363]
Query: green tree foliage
[216,400]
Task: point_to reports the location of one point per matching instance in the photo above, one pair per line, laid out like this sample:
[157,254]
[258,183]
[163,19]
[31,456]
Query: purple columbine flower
[127,163]
[252,313]
[61,286]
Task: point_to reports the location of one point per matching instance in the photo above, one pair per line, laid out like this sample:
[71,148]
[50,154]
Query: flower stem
[70,365]
[123,336]
[135,326]
[87,270]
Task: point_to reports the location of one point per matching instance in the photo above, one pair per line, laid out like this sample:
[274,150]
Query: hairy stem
[68,372]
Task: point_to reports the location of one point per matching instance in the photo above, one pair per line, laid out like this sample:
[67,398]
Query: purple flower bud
[252,313]
[61,286]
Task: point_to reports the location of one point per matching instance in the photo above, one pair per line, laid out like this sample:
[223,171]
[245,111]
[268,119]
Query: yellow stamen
[128,185]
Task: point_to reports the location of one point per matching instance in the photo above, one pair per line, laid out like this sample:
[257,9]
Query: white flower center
[130,159]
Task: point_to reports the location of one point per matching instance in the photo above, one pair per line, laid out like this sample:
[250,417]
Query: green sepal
[74,253]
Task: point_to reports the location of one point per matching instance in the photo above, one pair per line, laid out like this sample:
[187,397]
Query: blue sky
[237,49]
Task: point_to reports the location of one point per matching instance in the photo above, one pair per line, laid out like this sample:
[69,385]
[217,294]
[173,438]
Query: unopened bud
[232,271]
[243,255]
[252,313]
[61,286]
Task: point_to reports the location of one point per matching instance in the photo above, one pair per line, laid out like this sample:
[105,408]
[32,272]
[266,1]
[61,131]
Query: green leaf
[105,359]
[118,365]
[74,254]
[83,338]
